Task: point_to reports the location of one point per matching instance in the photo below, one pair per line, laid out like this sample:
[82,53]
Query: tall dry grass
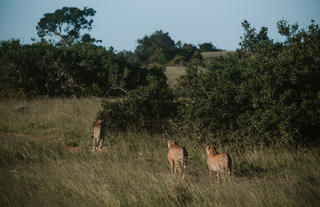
[206,55]
[35,171]
[173,73]
[66,119]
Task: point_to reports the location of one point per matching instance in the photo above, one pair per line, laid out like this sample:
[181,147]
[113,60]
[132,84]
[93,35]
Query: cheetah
[177,157]
[220,163]
[97,138]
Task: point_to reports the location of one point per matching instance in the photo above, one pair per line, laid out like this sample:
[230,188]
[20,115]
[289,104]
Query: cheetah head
[171,143]
[210,148]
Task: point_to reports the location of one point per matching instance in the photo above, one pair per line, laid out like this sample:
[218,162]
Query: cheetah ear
[208,149]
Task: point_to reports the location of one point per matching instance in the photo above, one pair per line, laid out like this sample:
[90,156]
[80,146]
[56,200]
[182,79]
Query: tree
[207,47]
[65,24]
[287,30]
[186,53]
[187,50]
[265,93]
[251,40]
[148,107]
[158,47]
[86,38]
[44,69]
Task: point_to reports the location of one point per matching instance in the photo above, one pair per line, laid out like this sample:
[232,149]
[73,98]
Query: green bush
[264,93]
[83,69]
[146,108]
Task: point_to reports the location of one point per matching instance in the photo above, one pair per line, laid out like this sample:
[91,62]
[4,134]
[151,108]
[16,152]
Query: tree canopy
[264,93]
[66,24]
[207,47]
[251,40]
[158,47]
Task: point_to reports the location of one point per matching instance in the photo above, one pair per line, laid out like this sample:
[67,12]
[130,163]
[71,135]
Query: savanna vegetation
[65,62]
[260,103]
[46,160]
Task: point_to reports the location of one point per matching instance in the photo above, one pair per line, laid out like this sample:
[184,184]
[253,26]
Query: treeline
[83,69]
[75,65]
[264,93]
[161,49]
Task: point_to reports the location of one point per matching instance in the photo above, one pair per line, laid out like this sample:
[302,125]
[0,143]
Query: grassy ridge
[38,168]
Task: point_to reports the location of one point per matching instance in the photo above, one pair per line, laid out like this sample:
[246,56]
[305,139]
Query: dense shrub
[264,93]
[146,108]
[156,48]
[186,53]
[44,69]
[208,47]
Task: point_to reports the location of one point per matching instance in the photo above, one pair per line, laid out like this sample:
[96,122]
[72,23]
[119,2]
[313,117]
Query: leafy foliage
[252,41]
[208,47]
[146,108]
[76,66]
[264,93]
[158,47]
[83,69]
[65,23]
[189,53]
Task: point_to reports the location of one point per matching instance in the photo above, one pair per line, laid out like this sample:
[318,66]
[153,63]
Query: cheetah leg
[229,172]
[100,143]
[210,172]
[171,166]
[228,175]
[223,178]
[94,144]
[183,169]
[177,168]
[218,177]
[180,169]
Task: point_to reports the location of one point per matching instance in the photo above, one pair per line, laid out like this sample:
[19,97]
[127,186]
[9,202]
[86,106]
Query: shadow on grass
[246,169]
[183,195]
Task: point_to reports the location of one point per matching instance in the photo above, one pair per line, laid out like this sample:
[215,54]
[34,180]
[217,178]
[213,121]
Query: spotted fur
[220,163]
[177,157]
[97,138]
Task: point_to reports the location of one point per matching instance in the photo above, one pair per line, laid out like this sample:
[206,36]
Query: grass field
[206,55]
[45,161]
[172,73]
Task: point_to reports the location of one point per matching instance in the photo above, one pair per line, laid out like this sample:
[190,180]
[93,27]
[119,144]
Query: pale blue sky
[119,23]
